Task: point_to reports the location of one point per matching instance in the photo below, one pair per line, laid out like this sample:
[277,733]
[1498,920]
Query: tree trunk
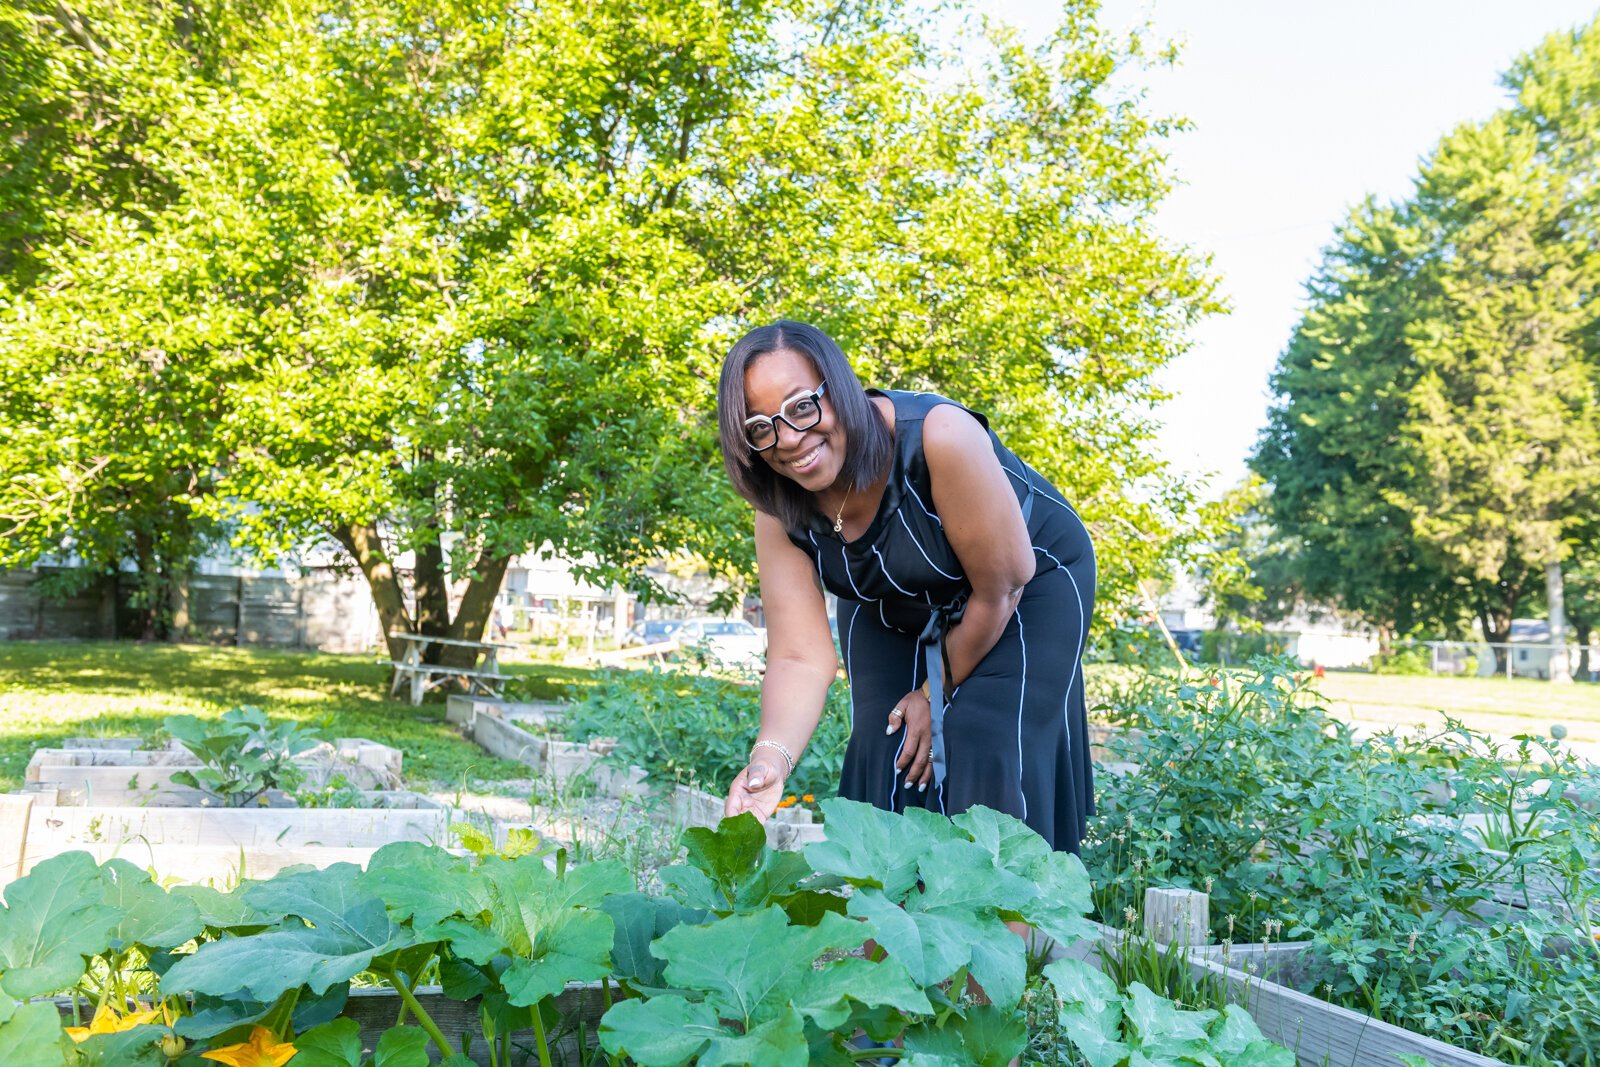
[1555,596]
[1385,640]
[472,617]
[366,548]
[147,598]
[1584,633]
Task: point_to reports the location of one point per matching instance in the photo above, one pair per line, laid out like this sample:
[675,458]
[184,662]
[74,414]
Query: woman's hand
[913,715]
[756,789]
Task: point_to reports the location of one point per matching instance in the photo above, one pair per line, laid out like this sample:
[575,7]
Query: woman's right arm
[801,664]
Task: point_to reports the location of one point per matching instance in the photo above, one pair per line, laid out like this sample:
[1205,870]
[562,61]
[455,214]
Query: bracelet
[781,750]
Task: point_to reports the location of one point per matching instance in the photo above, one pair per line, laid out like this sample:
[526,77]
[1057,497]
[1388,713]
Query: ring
[897,711]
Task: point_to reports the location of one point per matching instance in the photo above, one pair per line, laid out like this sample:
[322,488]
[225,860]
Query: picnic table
[409,670]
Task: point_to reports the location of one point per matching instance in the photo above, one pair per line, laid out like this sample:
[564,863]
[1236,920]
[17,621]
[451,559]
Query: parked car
[731,641]
[651,632]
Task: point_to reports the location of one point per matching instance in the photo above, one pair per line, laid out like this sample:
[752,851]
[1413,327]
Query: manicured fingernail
[757,783]
[888,729]
[922,787]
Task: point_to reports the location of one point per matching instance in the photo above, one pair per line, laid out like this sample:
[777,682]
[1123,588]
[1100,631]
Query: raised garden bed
[1319,1033]
[201,844]
[503,733]
[119,772]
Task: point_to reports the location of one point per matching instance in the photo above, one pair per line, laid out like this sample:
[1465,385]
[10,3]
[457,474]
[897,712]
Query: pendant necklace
[838,520]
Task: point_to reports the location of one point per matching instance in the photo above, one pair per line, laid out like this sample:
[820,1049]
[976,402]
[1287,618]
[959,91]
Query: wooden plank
[215,865]
[508,741]
[61,828]
[15,809]
[1319,1033]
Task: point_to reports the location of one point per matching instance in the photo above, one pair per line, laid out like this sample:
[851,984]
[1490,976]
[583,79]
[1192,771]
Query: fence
[319,609]
[1521,659]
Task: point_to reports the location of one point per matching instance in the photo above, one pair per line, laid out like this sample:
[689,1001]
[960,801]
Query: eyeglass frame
[772,420]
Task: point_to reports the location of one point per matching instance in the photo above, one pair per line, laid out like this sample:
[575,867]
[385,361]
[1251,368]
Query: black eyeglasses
[800,412]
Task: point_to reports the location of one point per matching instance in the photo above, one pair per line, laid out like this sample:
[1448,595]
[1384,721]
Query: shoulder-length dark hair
[868,443]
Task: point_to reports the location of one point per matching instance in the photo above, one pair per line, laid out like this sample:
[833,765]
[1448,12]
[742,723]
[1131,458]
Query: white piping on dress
[885,568]
[1022,695]
[931,563]
[1083,641]
[918,498]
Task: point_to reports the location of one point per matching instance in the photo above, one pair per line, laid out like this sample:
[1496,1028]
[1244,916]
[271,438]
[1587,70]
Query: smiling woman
[965,585]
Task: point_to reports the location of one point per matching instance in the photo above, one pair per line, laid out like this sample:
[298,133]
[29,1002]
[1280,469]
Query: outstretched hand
[756,789]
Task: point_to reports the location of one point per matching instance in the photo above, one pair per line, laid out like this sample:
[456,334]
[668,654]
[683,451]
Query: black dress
[1013,735]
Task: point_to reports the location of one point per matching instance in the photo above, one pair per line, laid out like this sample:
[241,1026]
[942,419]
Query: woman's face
[812,457]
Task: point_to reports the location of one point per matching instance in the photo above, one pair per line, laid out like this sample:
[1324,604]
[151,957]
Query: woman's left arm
[983,523]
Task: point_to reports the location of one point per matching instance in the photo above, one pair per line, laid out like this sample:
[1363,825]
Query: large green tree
[459,276]
[1437,427]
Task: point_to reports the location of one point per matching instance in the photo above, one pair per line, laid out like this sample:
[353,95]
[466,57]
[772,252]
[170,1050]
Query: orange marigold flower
[262,1050]
[809,799]
[787,801]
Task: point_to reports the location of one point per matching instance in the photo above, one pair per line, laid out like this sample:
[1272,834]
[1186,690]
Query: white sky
[1300,110]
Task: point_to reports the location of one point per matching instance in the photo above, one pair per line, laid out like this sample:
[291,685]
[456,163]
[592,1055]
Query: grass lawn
[54,690]
[1496,706]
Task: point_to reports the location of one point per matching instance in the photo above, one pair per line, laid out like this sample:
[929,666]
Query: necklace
[838,520]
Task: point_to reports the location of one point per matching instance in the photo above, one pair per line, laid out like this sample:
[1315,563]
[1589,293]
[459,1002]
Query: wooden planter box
[463,709]
[1319,1033]
[119,775]
[221,845]
[377,1009]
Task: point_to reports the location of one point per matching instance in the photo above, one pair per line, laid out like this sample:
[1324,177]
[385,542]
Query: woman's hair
[867,437]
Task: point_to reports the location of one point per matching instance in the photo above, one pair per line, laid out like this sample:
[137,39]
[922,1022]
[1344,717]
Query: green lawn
[53,690]
[1495,706]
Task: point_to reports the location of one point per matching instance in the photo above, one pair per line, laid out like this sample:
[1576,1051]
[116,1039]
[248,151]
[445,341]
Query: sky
[1300,111]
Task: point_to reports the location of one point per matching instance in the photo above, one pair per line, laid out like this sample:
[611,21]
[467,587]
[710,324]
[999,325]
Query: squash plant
[750,957]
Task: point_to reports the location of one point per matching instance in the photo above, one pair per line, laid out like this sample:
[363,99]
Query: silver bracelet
[782,751]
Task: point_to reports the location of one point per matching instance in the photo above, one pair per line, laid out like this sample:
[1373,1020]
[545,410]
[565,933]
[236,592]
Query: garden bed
[212,844]
[116,771]
[563,762]
[1320,1034]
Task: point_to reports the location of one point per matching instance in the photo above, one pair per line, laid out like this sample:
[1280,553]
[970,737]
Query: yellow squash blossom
[107,1021]
[262,1050]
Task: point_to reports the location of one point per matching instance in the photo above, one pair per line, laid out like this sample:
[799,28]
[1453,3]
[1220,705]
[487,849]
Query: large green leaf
[402,1046]
[333,1044]
[31,1035]
[223,911]
[778,1042]
[1238,1042]
[214,1015]
[664,1031]
[748,965]
[1012,843]
[1061,899]
[867,846]
[962,874]
[823,995]
[569,945]
[639,920]
[988,1036]
[53,919]
[425,884]
[149,915]
[352,928]
[932,947]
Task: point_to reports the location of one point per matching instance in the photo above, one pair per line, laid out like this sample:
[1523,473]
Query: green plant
[1247,789]
[752,956]
[338,793]
[1410,660]
[684,726]
[242,754]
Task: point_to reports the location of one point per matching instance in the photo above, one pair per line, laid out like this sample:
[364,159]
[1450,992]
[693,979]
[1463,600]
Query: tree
[462,274]
[1330,448]
[1503,428]
[1437,412]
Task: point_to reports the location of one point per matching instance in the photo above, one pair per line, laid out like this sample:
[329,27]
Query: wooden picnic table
[409,670]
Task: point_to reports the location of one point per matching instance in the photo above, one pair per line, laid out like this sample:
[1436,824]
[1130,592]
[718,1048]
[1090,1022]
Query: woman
[965,588]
